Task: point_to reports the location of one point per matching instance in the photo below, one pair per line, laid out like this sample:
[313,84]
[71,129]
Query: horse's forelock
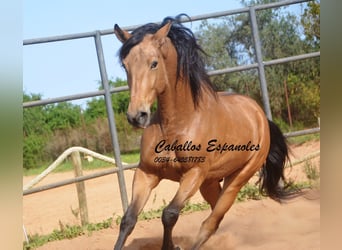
[137,36]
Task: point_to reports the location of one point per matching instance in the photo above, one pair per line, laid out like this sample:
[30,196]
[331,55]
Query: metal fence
[107,91]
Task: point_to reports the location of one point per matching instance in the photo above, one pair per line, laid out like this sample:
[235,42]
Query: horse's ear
[162,32]
[122,35]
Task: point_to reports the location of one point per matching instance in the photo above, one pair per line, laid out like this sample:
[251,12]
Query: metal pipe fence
[107,91]
[112,124]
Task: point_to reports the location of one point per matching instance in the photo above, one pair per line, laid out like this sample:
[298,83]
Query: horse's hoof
[178,248]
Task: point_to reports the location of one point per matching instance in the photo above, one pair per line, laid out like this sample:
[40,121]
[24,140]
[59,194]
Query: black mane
[190,58]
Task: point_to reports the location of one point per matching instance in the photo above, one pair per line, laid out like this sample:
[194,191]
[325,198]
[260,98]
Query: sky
[70,67]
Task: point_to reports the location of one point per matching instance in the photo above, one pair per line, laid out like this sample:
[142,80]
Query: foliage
[311,171]
[121,99]
[51,129]
[35,131]
[65,232]
[299,140]
[62,116]
[228,42]
[34,121]
[33,148]
[304,94]
[96,106]
[311,23]
[249,191]
[69,232]
[95,109]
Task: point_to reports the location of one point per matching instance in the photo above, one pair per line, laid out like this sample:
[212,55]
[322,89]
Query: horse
[206,140]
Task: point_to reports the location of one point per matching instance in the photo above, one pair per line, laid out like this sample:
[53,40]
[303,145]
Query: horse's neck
[175,102]
[176,107]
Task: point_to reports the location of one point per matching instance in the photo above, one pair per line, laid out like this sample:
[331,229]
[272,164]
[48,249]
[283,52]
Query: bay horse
[197,136]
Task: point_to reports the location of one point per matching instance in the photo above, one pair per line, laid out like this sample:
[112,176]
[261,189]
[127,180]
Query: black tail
[272,173]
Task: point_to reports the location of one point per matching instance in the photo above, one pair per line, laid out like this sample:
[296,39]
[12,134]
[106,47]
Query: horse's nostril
[143,114]
[142,117]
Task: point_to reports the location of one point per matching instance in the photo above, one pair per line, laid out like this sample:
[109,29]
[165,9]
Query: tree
[41,123]
[63,115]
[96,107]
[228,42]
[34,121]
[95,113]
[311,23]
[35,130]
[120,100]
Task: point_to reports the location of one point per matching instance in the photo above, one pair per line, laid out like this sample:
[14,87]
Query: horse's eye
[154,64]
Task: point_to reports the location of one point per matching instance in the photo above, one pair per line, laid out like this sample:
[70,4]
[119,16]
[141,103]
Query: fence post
[261,69]
[81,193]
[111,120]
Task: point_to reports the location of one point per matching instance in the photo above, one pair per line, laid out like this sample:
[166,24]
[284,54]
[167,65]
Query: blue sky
[70,67]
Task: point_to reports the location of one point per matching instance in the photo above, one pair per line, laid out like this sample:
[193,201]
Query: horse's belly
[225,167]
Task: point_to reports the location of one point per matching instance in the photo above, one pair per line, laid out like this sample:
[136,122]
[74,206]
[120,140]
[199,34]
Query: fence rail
[211,73]
[132,27]
[63,157]
[77,179]
[107,91]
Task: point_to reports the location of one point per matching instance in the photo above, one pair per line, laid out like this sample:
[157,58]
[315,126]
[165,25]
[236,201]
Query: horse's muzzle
[141,119]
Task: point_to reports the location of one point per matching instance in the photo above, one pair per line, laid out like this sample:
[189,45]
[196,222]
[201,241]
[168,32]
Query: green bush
[33,147]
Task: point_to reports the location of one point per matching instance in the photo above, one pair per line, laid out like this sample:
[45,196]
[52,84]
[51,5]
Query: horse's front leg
[143,183]
[189,184]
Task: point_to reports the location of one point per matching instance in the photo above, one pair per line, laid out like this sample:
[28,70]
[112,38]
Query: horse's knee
[170,216]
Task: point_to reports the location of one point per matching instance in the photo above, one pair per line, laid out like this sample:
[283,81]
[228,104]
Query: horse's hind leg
[143,183]
[231,187]
[211,190]
[188,186]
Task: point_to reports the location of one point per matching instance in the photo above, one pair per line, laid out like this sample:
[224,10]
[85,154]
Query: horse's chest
[172,157]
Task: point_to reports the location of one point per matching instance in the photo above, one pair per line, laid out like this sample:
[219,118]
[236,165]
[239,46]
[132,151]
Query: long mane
[190,56]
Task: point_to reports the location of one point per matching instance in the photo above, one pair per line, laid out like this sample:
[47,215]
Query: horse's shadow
[155,243]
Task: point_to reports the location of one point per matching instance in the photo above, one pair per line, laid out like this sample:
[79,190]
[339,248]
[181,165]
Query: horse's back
[242,107]
[233,98]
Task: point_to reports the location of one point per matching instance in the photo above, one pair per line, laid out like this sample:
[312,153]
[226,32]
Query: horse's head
[142,55]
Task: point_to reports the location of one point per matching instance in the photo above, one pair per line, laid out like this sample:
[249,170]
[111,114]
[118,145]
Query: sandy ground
[262,224]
